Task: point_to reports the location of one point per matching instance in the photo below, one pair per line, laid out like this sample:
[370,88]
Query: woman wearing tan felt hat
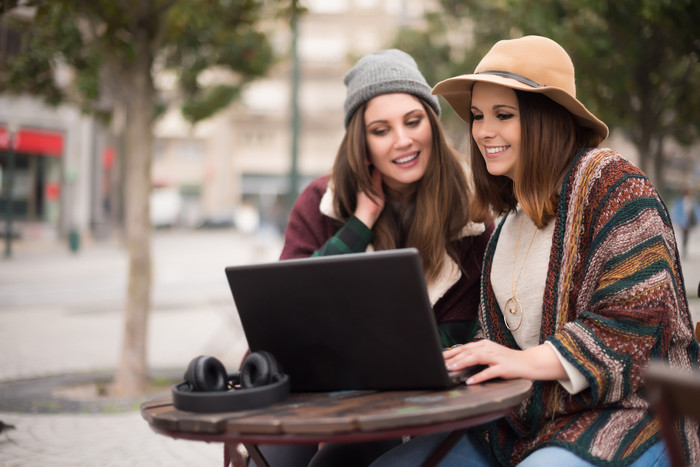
[581,282]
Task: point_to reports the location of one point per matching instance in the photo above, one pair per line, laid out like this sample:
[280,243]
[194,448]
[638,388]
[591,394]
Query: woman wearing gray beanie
[395,183]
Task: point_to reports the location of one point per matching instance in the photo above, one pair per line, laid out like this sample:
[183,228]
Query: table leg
[232,458]
[256,455]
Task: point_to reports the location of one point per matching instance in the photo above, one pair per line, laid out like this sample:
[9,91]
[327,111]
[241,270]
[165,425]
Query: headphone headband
[228,401]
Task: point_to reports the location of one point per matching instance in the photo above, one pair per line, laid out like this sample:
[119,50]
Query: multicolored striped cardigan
[614,299]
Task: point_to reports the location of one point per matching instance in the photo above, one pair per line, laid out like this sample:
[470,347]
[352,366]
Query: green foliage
[201,34]
[97,41]
[32,69]
[636,65]
[209,101]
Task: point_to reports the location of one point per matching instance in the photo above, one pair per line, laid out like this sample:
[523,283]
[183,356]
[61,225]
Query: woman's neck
[404,195]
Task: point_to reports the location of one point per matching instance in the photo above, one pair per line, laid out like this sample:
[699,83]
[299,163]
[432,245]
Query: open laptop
[353,321]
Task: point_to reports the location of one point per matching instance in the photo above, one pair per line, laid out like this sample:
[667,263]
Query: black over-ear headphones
[208,388]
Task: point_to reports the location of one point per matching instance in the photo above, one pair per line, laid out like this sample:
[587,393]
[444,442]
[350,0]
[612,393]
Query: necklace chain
[513,304]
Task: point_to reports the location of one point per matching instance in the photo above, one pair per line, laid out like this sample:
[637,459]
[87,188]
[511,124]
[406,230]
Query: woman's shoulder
[605,181]
[604,167]
[606,159]
[314,191]
[475,237]
[475,229]
[318,186]
[309,200]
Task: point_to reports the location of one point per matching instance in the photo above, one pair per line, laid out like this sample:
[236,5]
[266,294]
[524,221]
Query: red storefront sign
[108,157]
[33,141]
[53,191]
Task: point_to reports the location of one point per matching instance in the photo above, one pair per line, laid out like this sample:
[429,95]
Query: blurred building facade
[52,165]
[233,169]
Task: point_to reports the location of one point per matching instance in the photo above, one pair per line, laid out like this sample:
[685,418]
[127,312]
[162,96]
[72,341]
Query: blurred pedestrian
[685,213]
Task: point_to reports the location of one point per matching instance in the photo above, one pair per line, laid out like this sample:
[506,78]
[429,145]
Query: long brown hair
[551,138]
[440,204]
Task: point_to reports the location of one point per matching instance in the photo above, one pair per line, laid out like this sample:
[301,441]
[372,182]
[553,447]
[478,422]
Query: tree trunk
[659,168]
[132,373]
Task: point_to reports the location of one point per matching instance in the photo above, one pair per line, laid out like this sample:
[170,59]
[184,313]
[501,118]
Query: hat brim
[457,92]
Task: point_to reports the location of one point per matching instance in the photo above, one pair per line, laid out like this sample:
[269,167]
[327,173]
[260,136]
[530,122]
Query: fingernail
[470,381]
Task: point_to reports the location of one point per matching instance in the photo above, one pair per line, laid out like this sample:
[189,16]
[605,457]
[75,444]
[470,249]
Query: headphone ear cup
[206,373]
[258,369]
[262,383]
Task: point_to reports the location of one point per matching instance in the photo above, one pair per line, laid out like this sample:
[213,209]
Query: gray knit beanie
[385,72]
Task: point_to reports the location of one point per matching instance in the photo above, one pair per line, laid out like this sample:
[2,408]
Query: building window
[190,150]
[328,6]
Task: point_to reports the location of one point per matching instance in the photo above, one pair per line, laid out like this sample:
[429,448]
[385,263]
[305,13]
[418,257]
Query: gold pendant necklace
[513,306]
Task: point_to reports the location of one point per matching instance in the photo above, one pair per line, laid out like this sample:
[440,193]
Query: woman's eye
[505,116]
[378,131]
[413,122]
[477,118]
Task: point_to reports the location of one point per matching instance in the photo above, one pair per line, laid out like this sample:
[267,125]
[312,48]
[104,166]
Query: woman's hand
[369,207]
[536,363]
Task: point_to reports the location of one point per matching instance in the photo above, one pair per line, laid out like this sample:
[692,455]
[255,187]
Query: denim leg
[352,454]
[554,455]
[416,451]
[655,456]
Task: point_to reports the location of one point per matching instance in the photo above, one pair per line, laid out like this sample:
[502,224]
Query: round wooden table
[344,416]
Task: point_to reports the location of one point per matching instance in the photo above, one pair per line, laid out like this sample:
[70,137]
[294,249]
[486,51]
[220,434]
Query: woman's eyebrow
[497,106]
[384,120]
[410,112]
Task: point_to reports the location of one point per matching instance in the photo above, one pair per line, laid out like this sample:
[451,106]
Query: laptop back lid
[354,321]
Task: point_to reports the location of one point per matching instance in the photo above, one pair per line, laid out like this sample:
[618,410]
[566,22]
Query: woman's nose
[403,138]
[482,130]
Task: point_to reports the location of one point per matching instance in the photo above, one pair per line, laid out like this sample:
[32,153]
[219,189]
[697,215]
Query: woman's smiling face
[399,139]
[496,127]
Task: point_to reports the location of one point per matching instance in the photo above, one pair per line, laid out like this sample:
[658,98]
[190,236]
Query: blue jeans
[468,453]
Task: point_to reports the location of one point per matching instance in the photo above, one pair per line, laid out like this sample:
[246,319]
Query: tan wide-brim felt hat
[530,63]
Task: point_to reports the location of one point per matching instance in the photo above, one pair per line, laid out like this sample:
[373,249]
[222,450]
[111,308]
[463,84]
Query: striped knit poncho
[614,299]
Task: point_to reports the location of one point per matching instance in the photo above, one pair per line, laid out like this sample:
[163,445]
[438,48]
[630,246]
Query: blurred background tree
[105,56]
[637,61]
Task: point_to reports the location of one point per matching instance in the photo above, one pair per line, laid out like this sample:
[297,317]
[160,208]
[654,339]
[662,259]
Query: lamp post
[294,171]
[9,187]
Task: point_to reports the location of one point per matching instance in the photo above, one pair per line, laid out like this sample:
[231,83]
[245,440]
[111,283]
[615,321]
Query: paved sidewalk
[60,314]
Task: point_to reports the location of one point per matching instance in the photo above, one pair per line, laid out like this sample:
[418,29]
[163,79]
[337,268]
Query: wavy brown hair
[439,207]
[551,138]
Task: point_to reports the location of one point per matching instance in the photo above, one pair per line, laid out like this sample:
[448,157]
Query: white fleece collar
[449,272]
